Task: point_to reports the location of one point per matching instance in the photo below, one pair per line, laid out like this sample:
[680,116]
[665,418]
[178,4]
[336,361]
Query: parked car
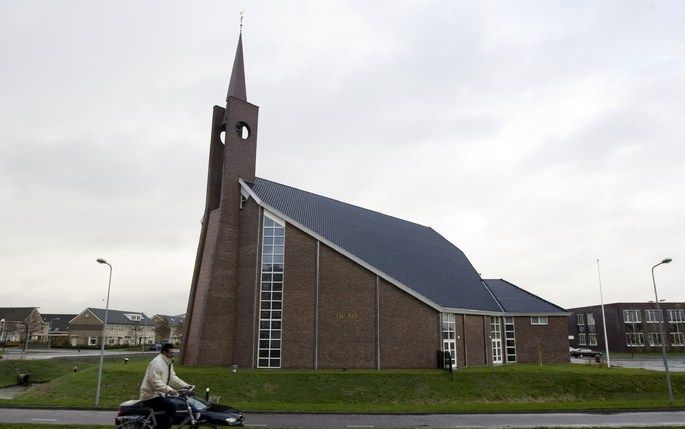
[583,352]
[214,414]
[155,347]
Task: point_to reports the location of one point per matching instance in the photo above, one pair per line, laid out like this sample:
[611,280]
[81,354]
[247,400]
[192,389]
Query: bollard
[125,361]
[75,369]
[234,368]
[207,394]
[23,379]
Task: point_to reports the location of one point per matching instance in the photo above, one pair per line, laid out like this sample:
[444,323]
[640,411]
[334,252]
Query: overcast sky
[537,137]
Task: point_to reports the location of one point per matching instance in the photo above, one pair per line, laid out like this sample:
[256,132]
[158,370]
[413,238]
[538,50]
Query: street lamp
[104,325]
[604,318]
[2,334]
[661,328]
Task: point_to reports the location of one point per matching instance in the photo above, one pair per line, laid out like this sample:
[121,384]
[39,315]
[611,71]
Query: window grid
[677,329]
[632,316]
[510,339]
[496,335]
[653,316]
[582,339]
[635,339]
[271,294]
[592,339]
[590,319]
[654,339]
[677,338]
[538,320]
[449,335]
[676,316]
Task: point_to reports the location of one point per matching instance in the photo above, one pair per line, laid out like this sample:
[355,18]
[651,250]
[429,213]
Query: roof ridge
[499,304]
[532,294]
[343,202]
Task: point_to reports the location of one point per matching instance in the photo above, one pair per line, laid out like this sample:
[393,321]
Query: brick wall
[548,343]
[347,313]
[409,330]
[299,300]
[247,298]
[475,348]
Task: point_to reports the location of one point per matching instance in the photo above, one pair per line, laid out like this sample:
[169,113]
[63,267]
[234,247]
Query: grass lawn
[518,387]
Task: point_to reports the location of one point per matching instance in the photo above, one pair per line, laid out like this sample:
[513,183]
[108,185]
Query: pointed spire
[236,88]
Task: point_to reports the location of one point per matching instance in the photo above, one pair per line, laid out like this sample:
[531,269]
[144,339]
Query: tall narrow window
[632,319]
[653,316]
[510,339]
[496,339]
[449,335]
[271,293]
[591,330]
[676,323]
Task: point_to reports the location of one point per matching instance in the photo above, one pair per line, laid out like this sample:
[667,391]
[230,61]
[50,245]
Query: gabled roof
[407,254]
[513,299]
[15,314]
[58,322]
[118,317]
[173,321]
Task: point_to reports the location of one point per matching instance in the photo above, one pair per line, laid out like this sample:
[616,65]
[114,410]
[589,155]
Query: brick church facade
[289,279]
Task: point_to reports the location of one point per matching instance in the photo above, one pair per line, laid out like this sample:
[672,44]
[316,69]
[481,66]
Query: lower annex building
[285,278]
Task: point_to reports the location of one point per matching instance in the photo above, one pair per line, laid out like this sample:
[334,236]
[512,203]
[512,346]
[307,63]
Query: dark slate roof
[15,314]
[516,300]
[58,322]
[412,254]
[119,317]
[173,321]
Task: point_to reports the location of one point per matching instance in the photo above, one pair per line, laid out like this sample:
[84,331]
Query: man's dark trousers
[162,403]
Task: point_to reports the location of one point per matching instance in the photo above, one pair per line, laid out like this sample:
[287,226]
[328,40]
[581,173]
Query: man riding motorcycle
[160,380]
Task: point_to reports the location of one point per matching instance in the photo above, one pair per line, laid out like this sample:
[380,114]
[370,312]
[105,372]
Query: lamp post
[604,318]
[104,325]
[2,334]
[661,328]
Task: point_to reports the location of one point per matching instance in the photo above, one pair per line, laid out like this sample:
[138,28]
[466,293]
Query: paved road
[14,354]
[675,363]
[356,421]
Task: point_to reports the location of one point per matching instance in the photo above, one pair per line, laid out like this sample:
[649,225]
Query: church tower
[210,330]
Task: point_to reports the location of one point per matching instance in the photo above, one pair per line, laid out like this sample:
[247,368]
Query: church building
[285,278]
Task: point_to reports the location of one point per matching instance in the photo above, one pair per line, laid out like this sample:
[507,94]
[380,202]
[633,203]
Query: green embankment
[507,388]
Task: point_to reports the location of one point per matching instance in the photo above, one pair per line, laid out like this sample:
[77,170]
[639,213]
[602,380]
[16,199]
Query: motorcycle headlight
[231,420]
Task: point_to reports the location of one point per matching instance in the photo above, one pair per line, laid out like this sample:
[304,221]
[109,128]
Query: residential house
[123,328]
[15,322]
[56,328]
[169,328]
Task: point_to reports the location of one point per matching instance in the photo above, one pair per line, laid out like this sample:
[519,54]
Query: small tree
[163,329]
[180,327]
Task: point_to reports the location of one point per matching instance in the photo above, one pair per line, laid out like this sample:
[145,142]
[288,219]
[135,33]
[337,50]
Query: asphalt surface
[675,363]
[15,354]
[357,421]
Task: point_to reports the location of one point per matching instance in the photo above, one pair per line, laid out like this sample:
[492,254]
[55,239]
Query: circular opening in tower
[243,130]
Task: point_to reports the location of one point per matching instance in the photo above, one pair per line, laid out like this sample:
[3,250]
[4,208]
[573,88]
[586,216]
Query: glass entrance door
[496,339]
